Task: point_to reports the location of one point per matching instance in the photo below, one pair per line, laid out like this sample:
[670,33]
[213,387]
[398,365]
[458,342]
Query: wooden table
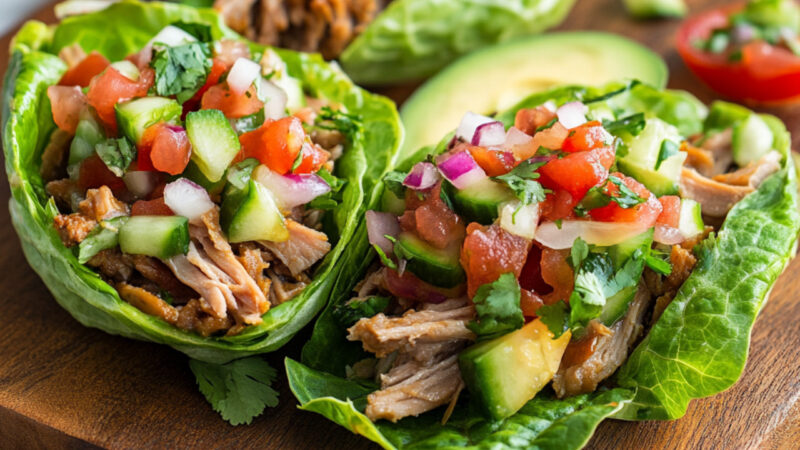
[63,385]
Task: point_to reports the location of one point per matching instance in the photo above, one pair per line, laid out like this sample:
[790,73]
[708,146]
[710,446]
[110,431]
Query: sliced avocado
[252,215]
[495,78]
[439,267]
[505,373]
[480,201]
[134,116]
[645,9]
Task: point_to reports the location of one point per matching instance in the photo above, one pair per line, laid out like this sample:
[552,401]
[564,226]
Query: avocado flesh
[496,78]
[505,373]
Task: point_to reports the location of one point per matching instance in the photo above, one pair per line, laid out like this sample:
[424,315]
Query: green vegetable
[117,154]
[412,39]
[252,215]
[773,13]
[691,218]
[104,236]
[181,70]
[200,31]
[238,390]
[656,8]
[214,143]
[522,181]
[497,308]
[480,201]
[332,198]
[439,267]
[135,116]
[751,140]
[653,157]
[87,136]
[598,196]
[349,313]
[630,125]
[158,236]
[249,123]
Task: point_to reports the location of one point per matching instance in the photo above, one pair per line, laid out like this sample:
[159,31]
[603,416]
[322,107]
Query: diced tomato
[493,162]
[557,205]
[529,302]
[314,157]
[168,147]
[94,173]
[551,138]
[588,136]
[275,143]
[578,172]
[644,213]
[670,211]
[530,277]
[232,105]
[218,68]
[143,161]
[66,103]
[432,220]
[489,252]
[410,287]
[81,75]
[155,207]
[112,87]
[528,120]
[558,274]
[227,51]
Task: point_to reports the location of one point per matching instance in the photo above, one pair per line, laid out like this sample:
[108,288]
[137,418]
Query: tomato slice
[232,105]
[529,119]
[765,73]
[493,162]
[168,148]
[275,143]
[578,172]
[112,87]
[155,207]
[81,75]
[66,104]
[94,173]
[491,251]
[670,211]
[557,205]
[314,157]
[644,213]
[588,136]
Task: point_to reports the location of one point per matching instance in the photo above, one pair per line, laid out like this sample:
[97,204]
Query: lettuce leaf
[115,32]
[413,39]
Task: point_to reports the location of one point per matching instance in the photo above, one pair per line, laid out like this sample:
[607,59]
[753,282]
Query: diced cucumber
[238,175]
[479,202]
[723,115]
[391,203]
[505,373]
[600,111]
[620,253]
[252,215]
[752,139]
[658,183]
[193,173]
[643,150]
[134,116]
[274,69]
[158,236]
[690,223]
[87,135]
[439,267]
[214,142]
[617,305]
[104,236]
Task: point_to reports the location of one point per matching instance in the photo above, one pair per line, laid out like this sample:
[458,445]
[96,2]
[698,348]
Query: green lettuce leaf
[117,31]
[412,39]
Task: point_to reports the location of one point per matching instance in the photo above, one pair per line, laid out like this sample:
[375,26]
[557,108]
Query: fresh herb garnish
[394,182]
[117,154]
[385,260]
[522,181]
[332,198]
[348,313]
[298,159]
[249,123]
[497,307]
[555,316]
[350,125]
[201,32]
[181,70]
[104,236]
[632,124]
[668,149]
[598,197]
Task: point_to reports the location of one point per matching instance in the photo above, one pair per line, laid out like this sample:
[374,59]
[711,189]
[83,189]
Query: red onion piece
[422,176]
[572,114]
[489,134]
[668,235]
[552,236]
[242,75]
[274,98]
[461,170]
[469,124]
[293,189]
[380,225]
[187,198]
[141,183]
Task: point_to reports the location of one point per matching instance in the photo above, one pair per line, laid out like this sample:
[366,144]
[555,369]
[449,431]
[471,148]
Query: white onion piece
[380,225]
[550,105]
[78,7]
[187,198]
[169,36]
[242,75]
[668,235]
[572,114]
[274,98]
[489,134]
[293,189]
[141,182]
[597,233]
[519,220]
[515,137]
[461,169]
[127,69]
[469,124]
[422,176]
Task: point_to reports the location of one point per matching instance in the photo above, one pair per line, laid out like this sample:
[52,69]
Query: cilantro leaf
[658,262]
[200,31]
[394,182]
[332,198]
[555,316]
[117,154]
[598,196]
[497,306]
[633,124]
[181,70]
[579,252]
[589,295]
[627,198]
[104,236]
[238,175]
[348,313]
[298,159]
[350,125]
[384,258]
[522,181]
[668,149]
[238,390]
[249,123]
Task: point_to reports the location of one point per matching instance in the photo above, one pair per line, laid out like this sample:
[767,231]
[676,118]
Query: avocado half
[496,78]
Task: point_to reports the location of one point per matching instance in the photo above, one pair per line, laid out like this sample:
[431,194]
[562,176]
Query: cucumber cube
[158,236]
[214,142]
[252,215]
[135,116]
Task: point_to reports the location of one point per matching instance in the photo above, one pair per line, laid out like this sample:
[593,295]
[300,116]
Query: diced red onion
[422,176]
[668,235]
[515,137]
[469,124]
[242,75]
[489,134]
[461,170]
[274,98]
[380,225]
[141,183]
[572,114]
[598,233]
[293,189]
[743,33]
[187,198]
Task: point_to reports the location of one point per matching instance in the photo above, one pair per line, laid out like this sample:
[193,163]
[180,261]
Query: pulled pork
[324,26]
[302,250]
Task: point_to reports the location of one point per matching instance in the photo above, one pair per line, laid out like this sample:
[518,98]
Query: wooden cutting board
[66,386]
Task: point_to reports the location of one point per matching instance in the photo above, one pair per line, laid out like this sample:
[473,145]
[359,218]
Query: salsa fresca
[748,52]
[193,176]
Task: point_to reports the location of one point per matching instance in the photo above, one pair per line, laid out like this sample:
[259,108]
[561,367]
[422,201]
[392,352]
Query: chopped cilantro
[201,32]
[298,159]
[632,124]
[332,198]
[555,316]
[384,258]
[598,196]
[104,236]
[117,154]
[497,307]
[658,262]
[579,252]
[394,182]
[350,125]
[181,70]
[522,181]
[627,198]
[348,313]
[668,149]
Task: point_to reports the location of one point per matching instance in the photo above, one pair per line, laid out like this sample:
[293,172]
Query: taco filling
[513,258]
[194,176]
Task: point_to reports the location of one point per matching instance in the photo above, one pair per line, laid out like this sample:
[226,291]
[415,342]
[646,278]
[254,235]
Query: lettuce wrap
[696,347]
[115,32]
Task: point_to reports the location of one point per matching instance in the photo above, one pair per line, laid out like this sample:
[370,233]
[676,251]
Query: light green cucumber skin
[646,9]
[158,236]
[252,215]
[476,368]
[751,140]
[655,182]
[479,202]
[690,223]
[87,135]
[214,142]
[135,116]
[621,252]
[439,267]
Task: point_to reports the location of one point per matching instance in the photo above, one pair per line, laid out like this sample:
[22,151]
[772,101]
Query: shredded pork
[147,302]
[302,250]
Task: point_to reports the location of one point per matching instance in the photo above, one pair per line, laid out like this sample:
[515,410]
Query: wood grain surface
[66,386]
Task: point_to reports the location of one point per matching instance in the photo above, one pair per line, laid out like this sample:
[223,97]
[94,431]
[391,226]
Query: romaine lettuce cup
[123,29]
[695,334]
